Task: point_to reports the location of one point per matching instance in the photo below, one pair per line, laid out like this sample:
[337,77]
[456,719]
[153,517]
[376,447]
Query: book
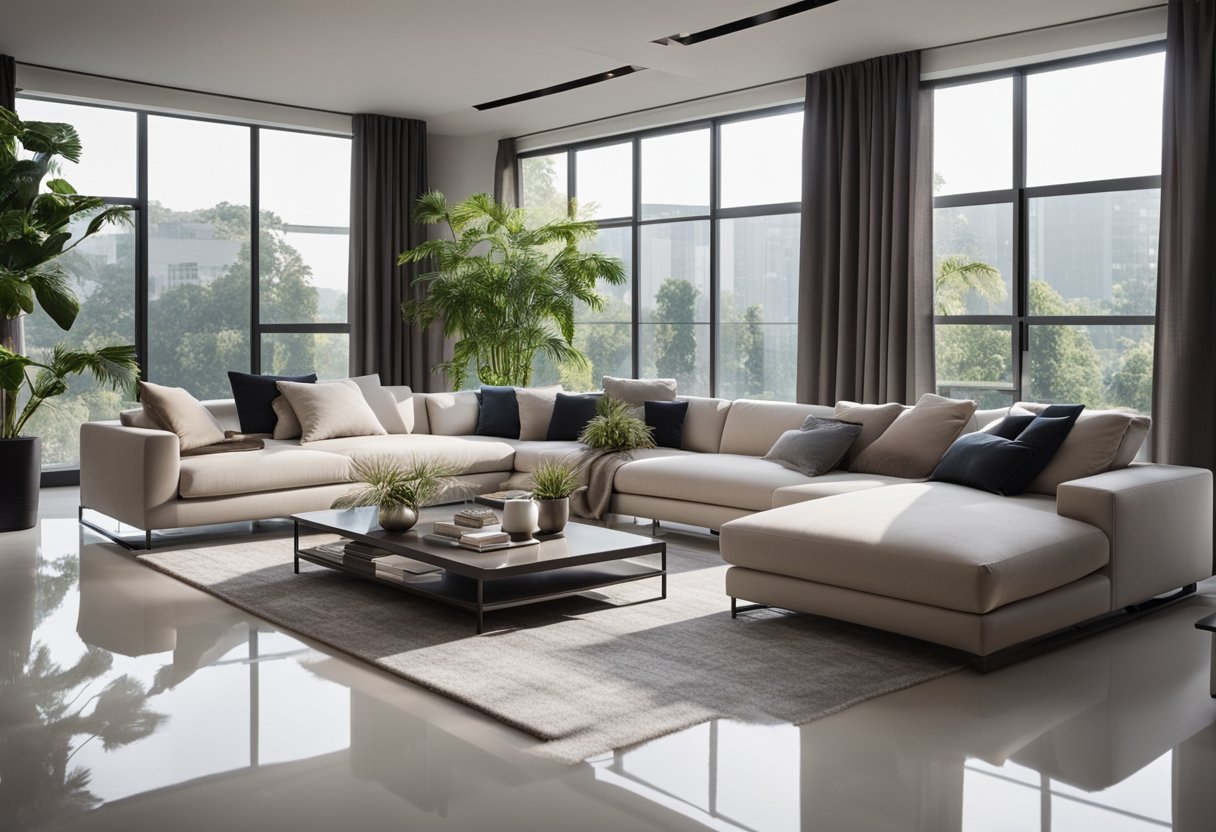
[484,538]
[496,499]
[476,518]
[398,564]
[448,529]
[506,544]
[363,551]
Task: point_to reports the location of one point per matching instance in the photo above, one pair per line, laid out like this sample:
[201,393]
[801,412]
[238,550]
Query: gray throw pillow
[816,448]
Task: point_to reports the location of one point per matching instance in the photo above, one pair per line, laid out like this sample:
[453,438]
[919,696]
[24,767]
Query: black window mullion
[714,322]
[1021,237]
[255,251]
[141,243]
[635,312]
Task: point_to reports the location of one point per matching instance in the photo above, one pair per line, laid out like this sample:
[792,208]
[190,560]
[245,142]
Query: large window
[1047,199]
[705,217]
[236,258]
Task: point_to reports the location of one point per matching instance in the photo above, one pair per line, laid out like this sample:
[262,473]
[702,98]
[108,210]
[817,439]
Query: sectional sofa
[966,569]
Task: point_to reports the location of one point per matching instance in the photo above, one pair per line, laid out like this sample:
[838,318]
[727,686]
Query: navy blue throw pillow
[253,395]
[499,412]
[983,461]
[571,413]
[1045,434]
[1012,425]
[666,422]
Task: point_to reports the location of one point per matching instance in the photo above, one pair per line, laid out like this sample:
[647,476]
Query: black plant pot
[20,471]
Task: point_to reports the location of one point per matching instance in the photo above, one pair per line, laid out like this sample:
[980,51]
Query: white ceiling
[436,60]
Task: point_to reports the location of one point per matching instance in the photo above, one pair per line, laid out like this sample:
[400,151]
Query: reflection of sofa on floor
[964,568]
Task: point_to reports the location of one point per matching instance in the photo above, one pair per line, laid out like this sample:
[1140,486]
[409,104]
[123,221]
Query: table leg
[1212,682]
[664,567]
[480,599]
[295,549]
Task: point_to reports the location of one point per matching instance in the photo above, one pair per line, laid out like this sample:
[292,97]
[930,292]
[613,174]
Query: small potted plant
[398,491]
[553,481]
[615,428]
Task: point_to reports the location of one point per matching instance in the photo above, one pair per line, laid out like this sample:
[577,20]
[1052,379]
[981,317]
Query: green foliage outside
[675,339]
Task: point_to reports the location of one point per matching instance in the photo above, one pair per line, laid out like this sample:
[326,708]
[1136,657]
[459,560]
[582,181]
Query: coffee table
[584,558]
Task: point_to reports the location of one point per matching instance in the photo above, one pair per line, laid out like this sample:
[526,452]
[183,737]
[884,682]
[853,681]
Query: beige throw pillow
[874,420]
[330,410]
[174,409]
[635,392]
[916,441]
[137,417]
[536,410]
[382,402]
[287,426]
[1101,440]
[452,414]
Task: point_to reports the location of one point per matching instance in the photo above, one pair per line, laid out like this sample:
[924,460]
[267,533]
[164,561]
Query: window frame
[1019,197]
[70,475]
[635,222]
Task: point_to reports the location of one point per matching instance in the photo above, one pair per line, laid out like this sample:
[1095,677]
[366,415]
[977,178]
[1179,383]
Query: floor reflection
[130,700]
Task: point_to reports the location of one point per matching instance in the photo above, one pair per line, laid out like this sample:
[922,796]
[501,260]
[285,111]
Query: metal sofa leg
[109,535]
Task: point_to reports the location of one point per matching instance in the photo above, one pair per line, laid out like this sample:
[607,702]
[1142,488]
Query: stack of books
[332,552]
[360,557]
[476,518]
[401,569]
[485,541]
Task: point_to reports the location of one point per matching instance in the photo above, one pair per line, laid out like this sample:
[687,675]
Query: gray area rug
[584,674]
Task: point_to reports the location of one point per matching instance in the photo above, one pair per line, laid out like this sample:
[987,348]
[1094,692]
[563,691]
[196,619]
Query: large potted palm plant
[35,222]
[505,290]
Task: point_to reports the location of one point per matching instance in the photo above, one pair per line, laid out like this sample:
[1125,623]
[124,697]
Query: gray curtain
[388,174]
[506,173]
[1184,374]
[865,300]
[8,82]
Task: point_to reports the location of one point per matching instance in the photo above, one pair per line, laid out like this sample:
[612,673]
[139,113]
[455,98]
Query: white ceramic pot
[519,518]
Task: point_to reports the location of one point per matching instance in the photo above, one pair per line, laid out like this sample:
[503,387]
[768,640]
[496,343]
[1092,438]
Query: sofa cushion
[253,395]
[571,413]
[753,426]
[635,391]
[874,420]
[536,410]
[703,424]
[276,467]
[930,543]
[452,414]
[916,441]
[497,412]
[815,448]
[330,410]
[1101,440]
[469,454]
[666,422]
[831,484]
[528,454]
[174,409]
[731,480]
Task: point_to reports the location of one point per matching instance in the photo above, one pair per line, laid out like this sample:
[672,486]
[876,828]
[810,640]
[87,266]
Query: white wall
[461,165]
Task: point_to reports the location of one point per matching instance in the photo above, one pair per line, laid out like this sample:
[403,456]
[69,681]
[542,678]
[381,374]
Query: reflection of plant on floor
[48,713]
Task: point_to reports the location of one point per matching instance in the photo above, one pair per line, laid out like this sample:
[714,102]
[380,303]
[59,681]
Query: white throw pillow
[287,425]
[174,409]
[382,402]
[536,410]
[331,410]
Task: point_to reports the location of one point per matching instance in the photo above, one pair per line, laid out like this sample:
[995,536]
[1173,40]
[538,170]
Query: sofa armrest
[126,472]
[1158,519]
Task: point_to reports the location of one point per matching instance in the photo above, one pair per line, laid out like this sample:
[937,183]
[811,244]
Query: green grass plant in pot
[398,491]
[553,481]
[505,291]
[36,215]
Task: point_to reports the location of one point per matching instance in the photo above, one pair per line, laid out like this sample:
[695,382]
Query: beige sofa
[966,569]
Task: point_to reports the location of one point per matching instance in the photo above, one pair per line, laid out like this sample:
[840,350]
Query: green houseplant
[615,428]
[553,481]
[34,233]
[505,291]
[398,491]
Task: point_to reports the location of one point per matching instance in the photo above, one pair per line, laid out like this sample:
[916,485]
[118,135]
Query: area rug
[586,674]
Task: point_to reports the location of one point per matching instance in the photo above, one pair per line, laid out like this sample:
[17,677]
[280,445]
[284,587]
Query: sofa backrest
[753,426]
[703,423]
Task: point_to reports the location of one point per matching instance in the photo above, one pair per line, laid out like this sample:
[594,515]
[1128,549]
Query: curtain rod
[799,77]
[184,89]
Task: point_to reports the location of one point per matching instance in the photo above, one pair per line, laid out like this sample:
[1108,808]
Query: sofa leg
[736,607]
[109,535]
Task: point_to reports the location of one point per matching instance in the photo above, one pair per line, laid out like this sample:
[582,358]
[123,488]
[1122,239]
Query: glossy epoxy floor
[129,701]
